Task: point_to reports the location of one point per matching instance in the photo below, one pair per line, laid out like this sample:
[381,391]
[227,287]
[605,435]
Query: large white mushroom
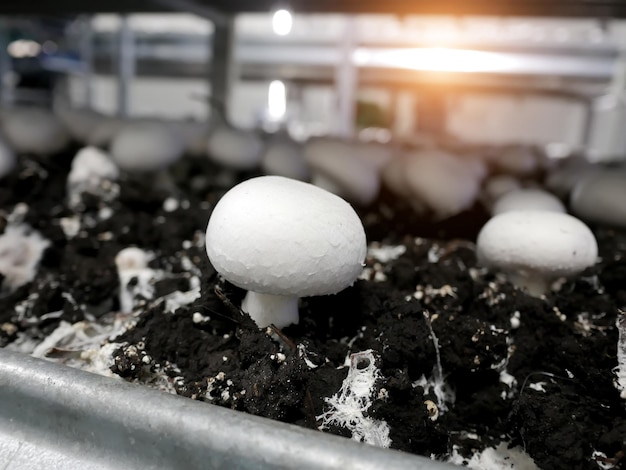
[34,130]
[281,239]
[600,197]
[534,248]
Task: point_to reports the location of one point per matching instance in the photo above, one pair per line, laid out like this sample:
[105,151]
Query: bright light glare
[277,100]
[282,22]
[21,48]
[439,59]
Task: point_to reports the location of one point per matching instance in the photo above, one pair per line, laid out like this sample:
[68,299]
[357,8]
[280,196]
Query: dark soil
[430,313]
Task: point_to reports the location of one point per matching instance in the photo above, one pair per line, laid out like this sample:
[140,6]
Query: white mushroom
[36,131]
[338,167]
[146,147]
[282,239]
[21,249]
[528,199]
[601,197]
[441,182]
[534,248]
[91,167]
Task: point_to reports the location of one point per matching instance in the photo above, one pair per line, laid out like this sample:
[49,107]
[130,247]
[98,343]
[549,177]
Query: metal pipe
[346,80]
[86,50]
[222,71]
[5,64]
[125,64]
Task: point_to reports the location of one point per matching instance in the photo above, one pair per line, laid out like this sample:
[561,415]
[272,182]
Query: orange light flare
[436,59]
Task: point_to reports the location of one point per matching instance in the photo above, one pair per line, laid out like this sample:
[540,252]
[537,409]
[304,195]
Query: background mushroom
[601,197]
[33,130]
[146,147]
[528,199]
[281,239]
[338,167]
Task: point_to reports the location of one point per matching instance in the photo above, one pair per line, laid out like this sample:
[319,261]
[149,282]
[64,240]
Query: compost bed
[459,359]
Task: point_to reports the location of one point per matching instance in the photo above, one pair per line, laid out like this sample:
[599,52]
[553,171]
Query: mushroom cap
[34,130]
[601,197]
[550,244]
[339,161]
[91,165]
[275,235]
[235,148]
[442,182]
[8,159]
[146,146]
[283,157]
[528,199]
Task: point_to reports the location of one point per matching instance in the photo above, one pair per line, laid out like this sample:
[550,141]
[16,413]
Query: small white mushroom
[36,131]
[281,239]
[91,167]
[132,264]
[146,147]
[528,199]
[21,249]
[534,248]
[600,197]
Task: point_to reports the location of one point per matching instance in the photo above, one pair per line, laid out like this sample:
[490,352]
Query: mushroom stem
[266,309]
[534,283]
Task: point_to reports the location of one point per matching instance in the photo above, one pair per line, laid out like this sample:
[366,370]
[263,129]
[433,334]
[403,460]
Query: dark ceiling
[565,8]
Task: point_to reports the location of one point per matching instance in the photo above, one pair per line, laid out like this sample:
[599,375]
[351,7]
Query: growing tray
[56,417]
